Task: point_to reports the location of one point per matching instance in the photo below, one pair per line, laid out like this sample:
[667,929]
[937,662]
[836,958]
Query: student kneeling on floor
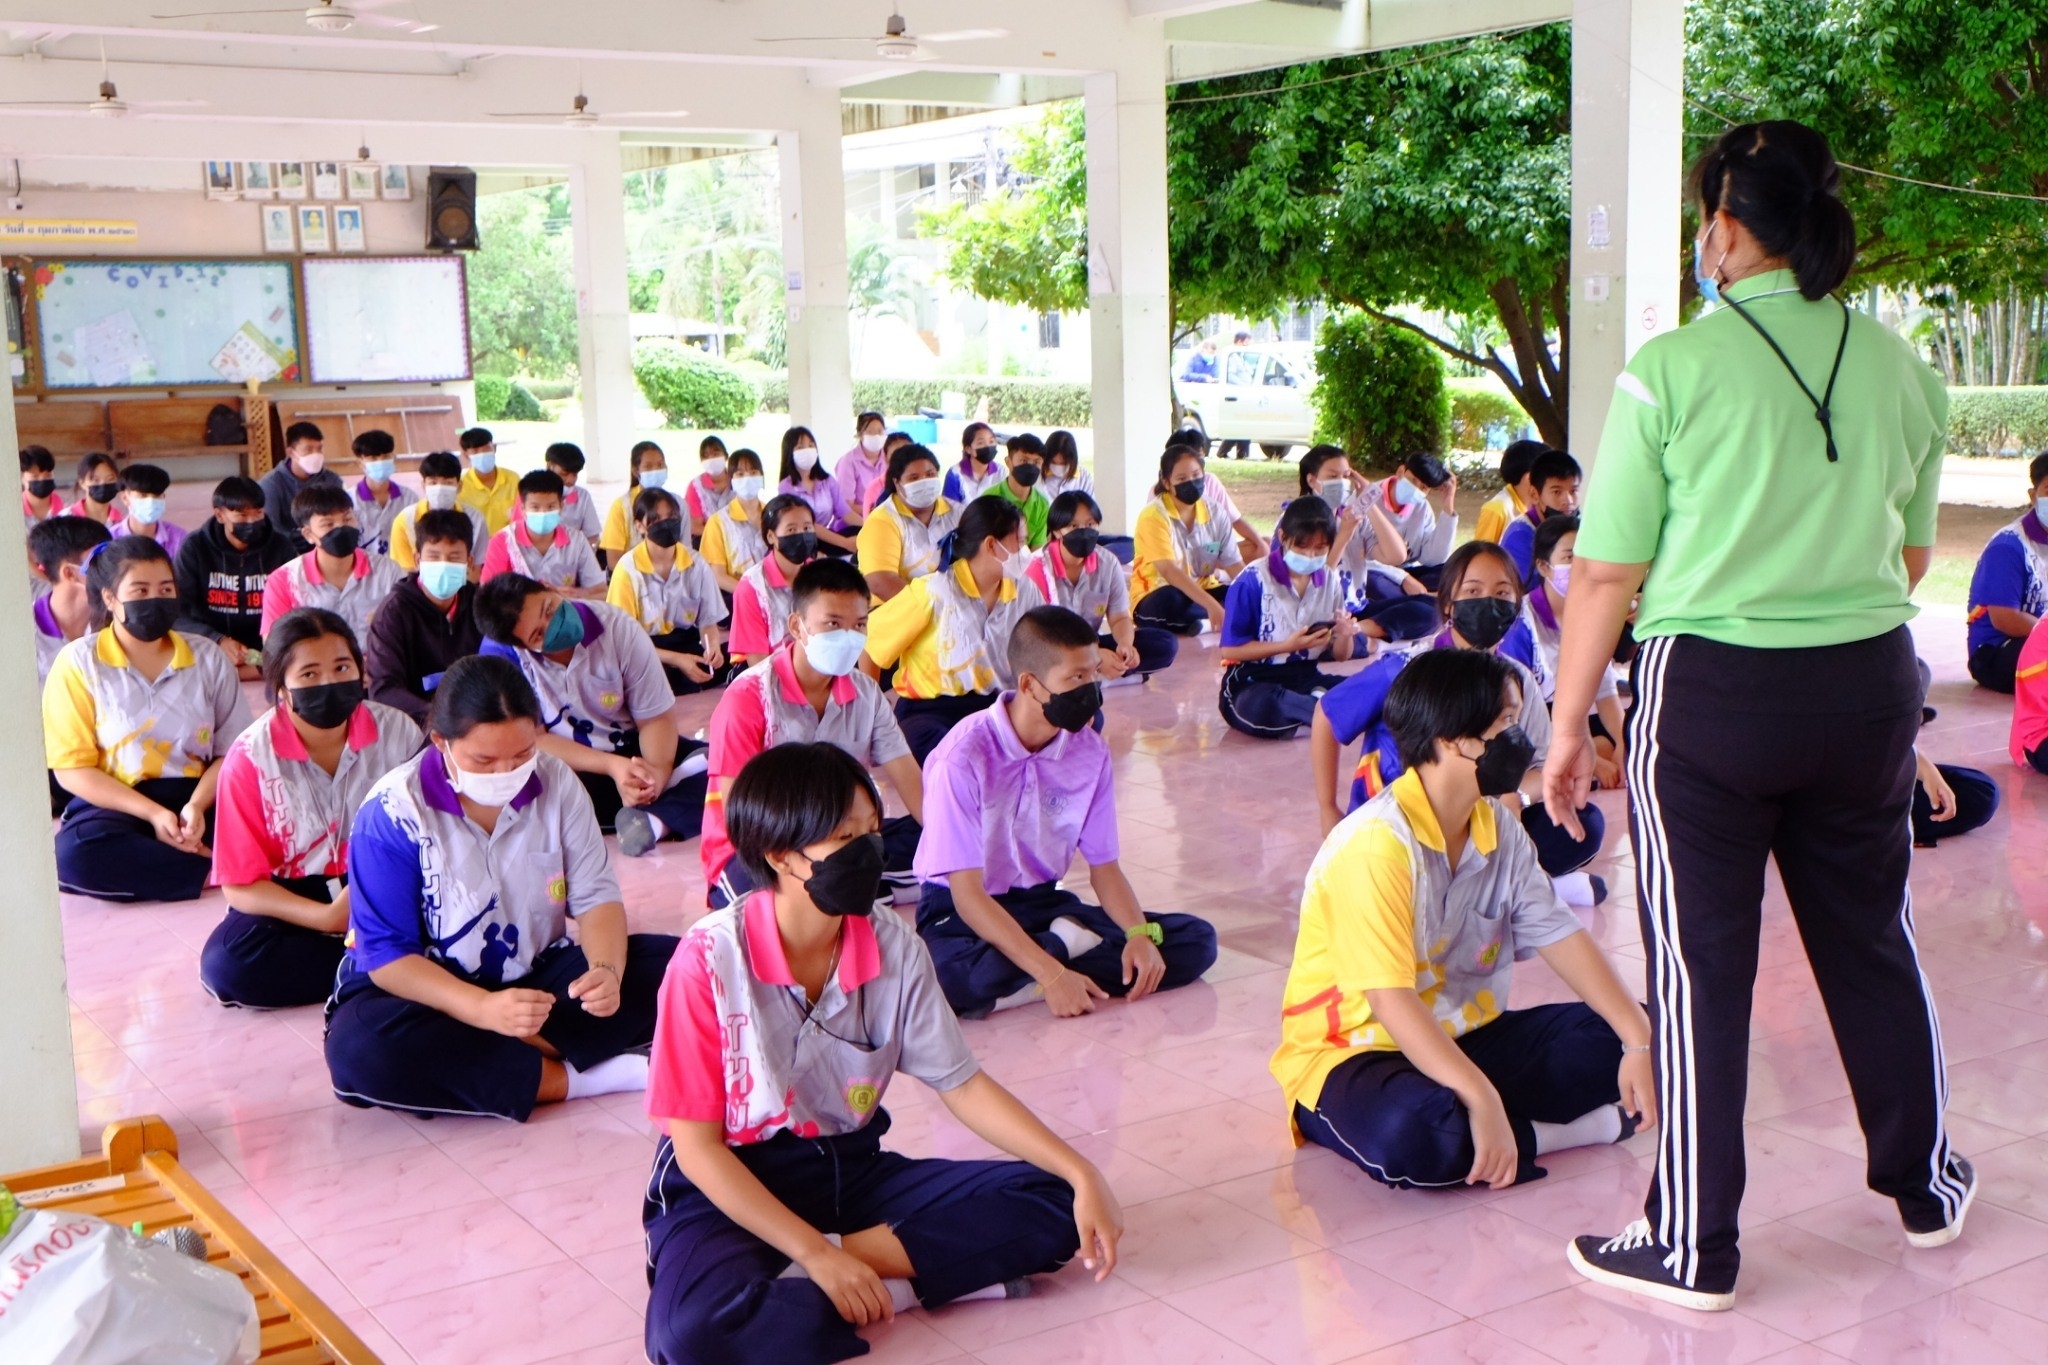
[776,1223]
[1281,617]
[290,787]
[1010,796]
[1397,1051]
[461,992]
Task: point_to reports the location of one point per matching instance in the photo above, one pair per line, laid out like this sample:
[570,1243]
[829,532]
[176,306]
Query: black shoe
[1634,1262]
[1599,888]
[1941,1234]
[1629,1124]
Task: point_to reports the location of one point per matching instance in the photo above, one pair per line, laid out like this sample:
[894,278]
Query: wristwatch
[1148,929]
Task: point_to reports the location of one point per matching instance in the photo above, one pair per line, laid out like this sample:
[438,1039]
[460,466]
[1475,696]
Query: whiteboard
[163,324]
[382,319]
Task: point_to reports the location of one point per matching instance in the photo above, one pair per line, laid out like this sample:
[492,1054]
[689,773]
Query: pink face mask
[1561,579]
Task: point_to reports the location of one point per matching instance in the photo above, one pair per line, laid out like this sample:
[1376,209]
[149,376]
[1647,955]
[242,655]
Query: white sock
[901,1296]
[1026,995]
[1124,680]
[660,830]
[627,1071]
[994,1291]
[1573,888]
[1594,1128]
[698,761]
[1077,937]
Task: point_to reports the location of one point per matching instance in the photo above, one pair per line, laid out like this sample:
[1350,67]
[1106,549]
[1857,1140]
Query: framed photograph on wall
[397,182]
[278,233]
[348,229]
[291,180]
[220,180]
[327,180]
[259,179]
[313,228]
[362,180]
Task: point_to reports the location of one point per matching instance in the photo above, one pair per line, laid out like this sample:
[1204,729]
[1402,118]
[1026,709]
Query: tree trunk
[1533,382]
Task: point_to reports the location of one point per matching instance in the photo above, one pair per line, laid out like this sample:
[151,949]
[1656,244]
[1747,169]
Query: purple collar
[1444,640]
[434,786]
[2031,527]
[1539,602]
[46,619]
[369,494]
[1276,565]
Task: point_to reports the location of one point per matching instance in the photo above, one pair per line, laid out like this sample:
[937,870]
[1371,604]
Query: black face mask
[1188,491]
[149,619]
[1482,621]
[41,488]
[667,532]
[1081,541]
[102,493]
[249,533]
[798,546]
[1026,475]
[329,705]
[1073,709]
[847,882]
[986,454]
[341,542]
[1505,762]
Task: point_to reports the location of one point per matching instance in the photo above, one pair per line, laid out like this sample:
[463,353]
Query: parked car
[1264,395]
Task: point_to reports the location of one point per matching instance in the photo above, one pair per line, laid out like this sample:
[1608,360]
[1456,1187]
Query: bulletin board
[154,324]
[385,319]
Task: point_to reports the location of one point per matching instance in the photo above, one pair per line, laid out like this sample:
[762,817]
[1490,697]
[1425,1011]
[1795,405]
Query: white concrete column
[604,337]
[1128,323]
[1628,125]
[814,267]
[38,1093]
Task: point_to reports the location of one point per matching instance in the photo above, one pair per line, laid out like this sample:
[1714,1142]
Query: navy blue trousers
[1556,850]
[927,720]
[975,974]
[1550,1064]
[1976,803]
[1156,648]
[271,964]
[680,809]
[717,1298]
[384,1052]
[1170,609]
[111,855]
[1997,666]
[1271,701]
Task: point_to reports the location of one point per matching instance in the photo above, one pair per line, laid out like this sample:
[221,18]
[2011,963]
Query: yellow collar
[1421,816]
[643,557]
[963,576]
[114,656]
[1171,505]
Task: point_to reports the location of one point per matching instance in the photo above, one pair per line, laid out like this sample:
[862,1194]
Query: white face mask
[921,493]
[835,653]
[713,467]
[440,496]
[747,487]
[490,789]
[655,478]
[1013,567]
[311,464]
[1055,478]
[2041,510]
[872,444]
[806,459]
[1336,492]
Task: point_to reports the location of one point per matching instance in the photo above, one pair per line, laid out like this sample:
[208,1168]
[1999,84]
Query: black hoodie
[413,641]
[222,587]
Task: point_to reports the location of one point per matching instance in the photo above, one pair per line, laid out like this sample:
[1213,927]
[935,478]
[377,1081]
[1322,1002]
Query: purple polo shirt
[992,804]
[826,498]
[855,472]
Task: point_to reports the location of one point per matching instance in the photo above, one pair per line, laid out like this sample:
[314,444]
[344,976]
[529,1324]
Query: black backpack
[225,427]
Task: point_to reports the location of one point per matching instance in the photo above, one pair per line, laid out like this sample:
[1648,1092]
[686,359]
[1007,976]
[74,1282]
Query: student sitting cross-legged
[1010,796]
[379,497]
[1283,616]
[289,790]
[580,516]
[947,635]
[2009,589]
[605,704]
[537,545]
[136,717]
[144,488]
[462,992]
[670,591]
[760,608]
[1185,550]
[1397,1049]
[810,688]
[62,612]
[337,574]
[428,621]
[776,1222]
[440,488]
[1077,572]
[1389,602]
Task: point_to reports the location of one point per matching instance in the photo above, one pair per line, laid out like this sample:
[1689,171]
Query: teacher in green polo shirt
[1768,481]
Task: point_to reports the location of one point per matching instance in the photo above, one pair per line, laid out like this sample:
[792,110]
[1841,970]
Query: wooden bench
[156,429]
[69,428]
[137,1179]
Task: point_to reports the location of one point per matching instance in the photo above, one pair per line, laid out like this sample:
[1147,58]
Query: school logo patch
[861,1096]
[609,700]
[203,736]
[558,890]
[1490,955]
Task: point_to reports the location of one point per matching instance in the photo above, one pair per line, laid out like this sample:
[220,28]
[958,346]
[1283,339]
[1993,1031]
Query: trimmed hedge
[491,392]
[1998,421]
[522,406]
[1380,391]
[1480,414]
[547,390]
[692,389]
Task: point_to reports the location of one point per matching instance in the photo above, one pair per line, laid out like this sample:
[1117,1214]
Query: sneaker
[635,831]
[1941,1236]
[1634,1262]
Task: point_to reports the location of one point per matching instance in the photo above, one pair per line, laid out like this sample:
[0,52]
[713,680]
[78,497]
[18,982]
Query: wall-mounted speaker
[451,209]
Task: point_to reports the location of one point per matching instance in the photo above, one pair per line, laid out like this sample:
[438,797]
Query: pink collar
[309,564]
[519,533]
[860,957]
[844,689]
[289,744]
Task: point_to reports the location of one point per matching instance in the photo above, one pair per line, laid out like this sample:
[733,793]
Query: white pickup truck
[1262,394]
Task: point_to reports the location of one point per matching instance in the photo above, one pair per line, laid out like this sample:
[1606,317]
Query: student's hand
[648,778]
[1495,1157]
[1331,818]
[1639,1088]
[515,1011]
[714,658]
[1126,655]
[598,989]
[1568,777]
[1108,664]
[1307,638]
[170,829]
[1143,967]
[192,825]
[1606,773]
[856,1291]
[1071,993]
[1346,625]
[696,669]
[1940,795]
[1445,494]
[1100,1221]
[1215,610]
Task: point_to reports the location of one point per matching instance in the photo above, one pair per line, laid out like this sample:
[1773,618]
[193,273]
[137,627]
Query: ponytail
[1780,181]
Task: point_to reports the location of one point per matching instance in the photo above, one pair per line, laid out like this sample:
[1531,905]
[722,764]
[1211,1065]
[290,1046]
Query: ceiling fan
[896,42]
[327,16]
[108,103]
[581,115]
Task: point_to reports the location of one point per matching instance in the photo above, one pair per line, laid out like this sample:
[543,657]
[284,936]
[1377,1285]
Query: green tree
[711,230]
[1027,245]
[522,299]
[878,279]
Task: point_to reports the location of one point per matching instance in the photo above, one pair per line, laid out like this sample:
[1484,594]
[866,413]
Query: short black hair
[752,457]
[983,518]
[57,541]
[822,575]
[301,431]
[789,797]
[476,438]
[565,455]
[372,445]
[238,493]
[1305,519]
[772,510]
[2037,469]
[1550,531]
[1066,504]
[1447,694]
[542,481]
[1428,470]
[498,604]
[1189,438]
[1042,634]
[106,568]
[442,464]
[444,526]
[1550,467]
[481,689]
[293,629]
[320,500]
[150,480]
[38,459]
[648,501]
[1025,443]
[1516,459]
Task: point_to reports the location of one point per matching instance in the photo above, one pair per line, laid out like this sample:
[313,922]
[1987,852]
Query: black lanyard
[1821,412]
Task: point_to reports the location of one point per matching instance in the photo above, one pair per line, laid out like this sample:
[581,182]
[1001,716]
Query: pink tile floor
[456,1240]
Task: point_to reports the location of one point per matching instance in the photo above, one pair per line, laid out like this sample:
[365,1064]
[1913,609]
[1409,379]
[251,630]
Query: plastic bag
[76,1290]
